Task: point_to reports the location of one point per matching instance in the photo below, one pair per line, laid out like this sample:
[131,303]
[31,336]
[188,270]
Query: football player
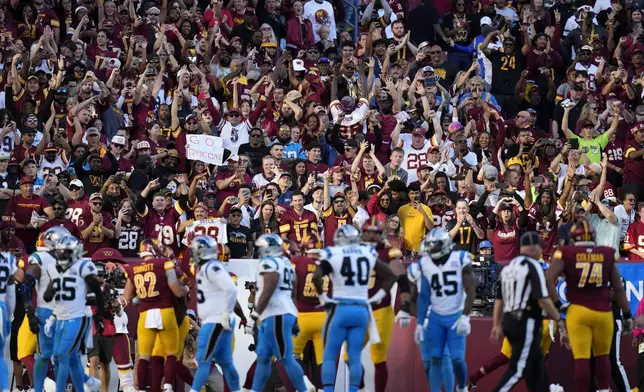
[71,277]
[590,271]
[155,284]
[275,313]
[349,265]
[216,300]
[451,295]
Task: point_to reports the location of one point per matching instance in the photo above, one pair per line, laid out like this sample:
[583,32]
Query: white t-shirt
[320,14]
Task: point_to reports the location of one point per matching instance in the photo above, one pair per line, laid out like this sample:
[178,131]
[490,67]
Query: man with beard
[98,230]
[543,214]
[584,62]
[53,161]
[416,147]
[60,207]
[292,150]
[117,147]
[441,207]
[337,211]
[255,149]
[22,206]
[415,218]
[8,240]
[94,177]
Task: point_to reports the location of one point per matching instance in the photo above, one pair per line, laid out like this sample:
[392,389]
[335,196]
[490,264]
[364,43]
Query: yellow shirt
[413,225]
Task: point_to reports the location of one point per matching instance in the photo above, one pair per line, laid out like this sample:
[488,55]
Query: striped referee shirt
[523,284]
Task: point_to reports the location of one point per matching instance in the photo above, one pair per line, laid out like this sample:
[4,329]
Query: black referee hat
[530,238]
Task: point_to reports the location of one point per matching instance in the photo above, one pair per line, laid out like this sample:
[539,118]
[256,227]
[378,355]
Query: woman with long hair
[394,236]
[505,228]
[484,146]
[299,30]
[266,222]
[268,35]
[589,113]
[128,228]
[299,175]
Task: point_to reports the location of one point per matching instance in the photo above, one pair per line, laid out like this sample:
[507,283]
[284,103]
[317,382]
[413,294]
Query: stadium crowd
[488,118]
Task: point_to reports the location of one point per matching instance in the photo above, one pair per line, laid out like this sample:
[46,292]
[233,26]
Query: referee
[518,314]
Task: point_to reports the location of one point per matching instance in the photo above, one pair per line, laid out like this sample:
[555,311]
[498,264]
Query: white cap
[77,183]
[142,145]
[117,139]
[4,156]
[486,21]
[298,65]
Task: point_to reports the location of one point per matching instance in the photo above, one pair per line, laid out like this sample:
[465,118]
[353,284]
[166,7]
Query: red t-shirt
[75,211]
[97,238]
[23,209]
[333,221]
[67,224]
[505,241]
[635,239]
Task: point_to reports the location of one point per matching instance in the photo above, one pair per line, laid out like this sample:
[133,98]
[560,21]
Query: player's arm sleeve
[267,265]
[413,273]
[466,259]
[223,281]
[538,282]
[86,269]
[10,298]
[170,271]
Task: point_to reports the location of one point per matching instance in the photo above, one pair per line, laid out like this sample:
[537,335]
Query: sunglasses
[153,14]
[630,199]
[97,203]
[256,135]
[191,123]
[117,145]
[59,209]
[233,115]
[435,52]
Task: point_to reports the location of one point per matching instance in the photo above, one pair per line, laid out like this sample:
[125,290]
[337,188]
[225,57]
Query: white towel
[89,339]
[551,328]
[374,336]
[153,319]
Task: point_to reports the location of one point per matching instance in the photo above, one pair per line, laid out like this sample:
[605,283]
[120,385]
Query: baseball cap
[428,68]
[142,145]
[586,47]
[455,127]
[485,245]
[92,131]
[325,60]
[13,161]
[348,103]
[638,127]
[486,21]
[118,140]
[96,195]
[530,238]
[423,167]
[173,153]
[26,180]
[490,172]
[419,131]
[298,65]
[423,44]
[4,156]
[50,147]
[285,174]
[352,143]
[77,183]
[29,161]
[235,209]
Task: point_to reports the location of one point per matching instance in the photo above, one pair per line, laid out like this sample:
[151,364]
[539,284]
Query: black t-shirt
[238,239]
[421,24]
[506,71]
[465,238]
[573,116]
[447,73]
[255,154]
[464,36]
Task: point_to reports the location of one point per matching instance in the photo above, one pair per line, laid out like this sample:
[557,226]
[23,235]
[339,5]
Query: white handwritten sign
[205,148]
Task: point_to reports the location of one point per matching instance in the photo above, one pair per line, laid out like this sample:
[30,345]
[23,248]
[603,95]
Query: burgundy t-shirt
[23,208]
[505,241]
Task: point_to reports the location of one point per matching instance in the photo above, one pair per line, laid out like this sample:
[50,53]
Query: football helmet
[47,240]
[150,247]
[346,235]
[311,242]
[203,248]
[223,252]
[438,243]
[373,224]
[581,231]
[270,245]
[67,251]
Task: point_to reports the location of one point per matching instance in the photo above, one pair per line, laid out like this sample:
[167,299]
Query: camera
[250,285]
[486,274]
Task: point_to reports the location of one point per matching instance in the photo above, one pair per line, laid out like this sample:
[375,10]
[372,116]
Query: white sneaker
[50,385]
[309,385]
[167,388]
[130,389]
[556,388]
[93,384]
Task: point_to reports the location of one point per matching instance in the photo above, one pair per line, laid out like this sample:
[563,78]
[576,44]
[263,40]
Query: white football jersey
[446,282]
[281,301]
[214,285]
[352,266]
[414,158]
[8,267]
[212,227]
[43,260]
[71,289]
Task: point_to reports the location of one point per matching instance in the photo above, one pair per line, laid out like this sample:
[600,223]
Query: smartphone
[246,192]
[235,200]
[574,144]
[430,82]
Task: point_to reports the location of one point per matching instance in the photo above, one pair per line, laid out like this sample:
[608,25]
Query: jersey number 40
[361,269]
